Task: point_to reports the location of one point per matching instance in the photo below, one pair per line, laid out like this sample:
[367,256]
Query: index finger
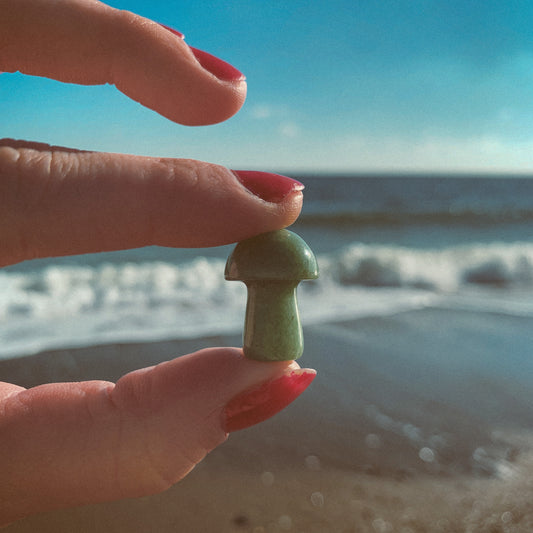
[90,43]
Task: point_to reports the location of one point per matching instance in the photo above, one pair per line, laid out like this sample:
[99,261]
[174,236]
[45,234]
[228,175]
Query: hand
[68,444]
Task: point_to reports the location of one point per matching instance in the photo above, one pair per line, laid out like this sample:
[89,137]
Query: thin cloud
[290,130]
[261,111]
[447,154]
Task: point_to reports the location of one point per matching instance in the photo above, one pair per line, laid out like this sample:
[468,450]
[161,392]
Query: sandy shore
[423,421]
[300,499]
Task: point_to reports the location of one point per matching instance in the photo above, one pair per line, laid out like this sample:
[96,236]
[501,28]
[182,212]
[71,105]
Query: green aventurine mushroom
[271,265]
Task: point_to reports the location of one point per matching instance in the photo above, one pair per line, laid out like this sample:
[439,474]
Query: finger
[55,201]
[76,443]
[88,42]
[8,389]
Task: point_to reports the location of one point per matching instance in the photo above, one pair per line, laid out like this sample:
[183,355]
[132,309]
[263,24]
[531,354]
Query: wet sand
[417,422]
[312,501]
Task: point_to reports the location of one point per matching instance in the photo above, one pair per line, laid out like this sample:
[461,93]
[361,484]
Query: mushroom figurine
[271,265]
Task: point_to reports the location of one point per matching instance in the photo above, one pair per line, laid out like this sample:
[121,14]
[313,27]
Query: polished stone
[271,265]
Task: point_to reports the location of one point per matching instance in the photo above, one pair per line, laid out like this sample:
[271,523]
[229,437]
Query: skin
[65,444]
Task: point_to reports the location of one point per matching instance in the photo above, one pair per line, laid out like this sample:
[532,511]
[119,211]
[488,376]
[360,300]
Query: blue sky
[333,86]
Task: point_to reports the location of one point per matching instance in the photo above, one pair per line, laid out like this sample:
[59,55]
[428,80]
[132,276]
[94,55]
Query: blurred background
[410,124]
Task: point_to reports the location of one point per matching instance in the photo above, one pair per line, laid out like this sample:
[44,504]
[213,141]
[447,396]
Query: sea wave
[448,217]
[70,305]
[446,269]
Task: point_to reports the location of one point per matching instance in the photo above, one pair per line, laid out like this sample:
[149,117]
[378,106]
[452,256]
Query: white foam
[444,269]
[75,305]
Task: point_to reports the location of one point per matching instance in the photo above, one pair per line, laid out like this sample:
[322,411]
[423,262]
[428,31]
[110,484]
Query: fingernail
[259,404]
[219,68]
[269,187]
[172,30]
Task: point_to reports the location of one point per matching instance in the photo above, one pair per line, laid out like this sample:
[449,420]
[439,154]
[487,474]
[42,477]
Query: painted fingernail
[259,404]
[219,68]
[269,187]
[172,30]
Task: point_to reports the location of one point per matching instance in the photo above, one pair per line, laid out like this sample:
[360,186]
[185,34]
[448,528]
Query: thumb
[68,444]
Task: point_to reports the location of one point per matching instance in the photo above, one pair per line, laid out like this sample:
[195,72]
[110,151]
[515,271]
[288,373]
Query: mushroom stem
[272,328]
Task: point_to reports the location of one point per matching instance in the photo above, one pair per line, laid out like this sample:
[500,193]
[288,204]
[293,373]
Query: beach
[418,421]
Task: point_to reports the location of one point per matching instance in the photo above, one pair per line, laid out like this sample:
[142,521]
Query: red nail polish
[269,187]
[172,30]
[259,404]
[222,70]
[219,68]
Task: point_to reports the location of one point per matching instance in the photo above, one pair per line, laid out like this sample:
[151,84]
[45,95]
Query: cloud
[278,117]
[261,111]
[441,154]
[290,130]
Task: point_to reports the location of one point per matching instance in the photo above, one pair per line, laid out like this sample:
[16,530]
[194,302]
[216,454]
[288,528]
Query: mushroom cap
[274,256]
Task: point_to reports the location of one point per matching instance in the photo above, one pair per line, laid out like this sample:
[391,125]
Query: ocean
[384,244]
[420,327]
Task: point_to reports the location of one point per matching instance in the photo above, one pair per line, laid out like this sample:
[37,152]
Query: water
[384,244]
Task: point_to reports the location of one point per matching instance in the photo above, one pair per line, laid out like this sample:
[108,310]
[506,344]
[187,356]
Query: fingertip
[225,209]
[267,186]
[182,83]
[261,403]
[218,67]
[293,206]
[282,198]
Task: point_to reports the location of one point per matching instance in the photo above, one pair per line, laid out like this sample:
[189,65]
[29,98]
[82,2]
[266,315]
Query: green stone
[271,265]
